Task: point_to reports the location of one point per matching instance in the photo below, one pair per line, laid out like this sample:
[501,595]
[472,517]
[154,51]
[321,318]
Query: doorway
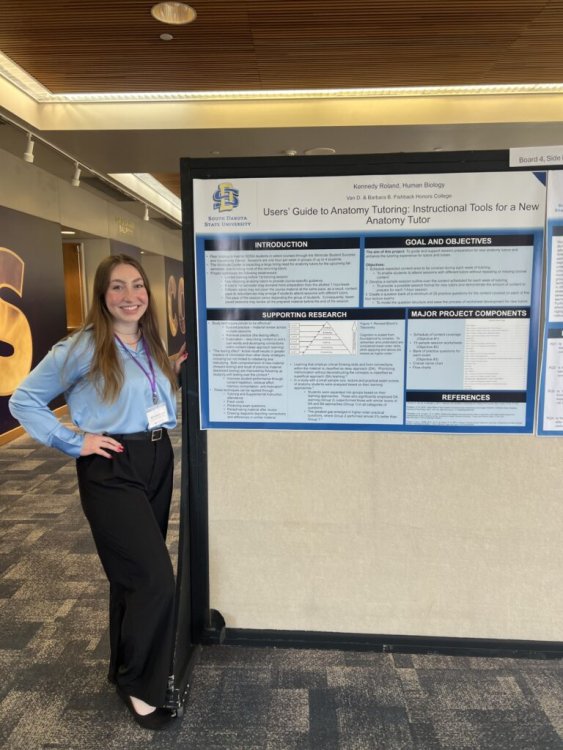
[74,285]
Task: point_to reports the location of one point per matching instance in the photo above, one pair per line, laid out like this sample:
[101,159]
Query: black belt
[151,435]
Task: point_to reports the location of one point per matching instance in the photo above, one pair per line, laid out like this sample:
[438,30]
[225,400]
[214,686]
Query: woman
[120,389]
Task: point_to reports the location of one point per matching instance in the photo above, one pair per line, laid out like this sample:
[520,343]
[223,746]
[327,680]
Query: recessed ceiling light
[319,151]
[174,13]
[166,37]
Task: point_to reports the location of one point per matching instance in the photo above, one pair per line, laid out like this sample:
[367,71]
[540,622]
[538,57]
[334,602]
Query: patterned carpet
[53,647]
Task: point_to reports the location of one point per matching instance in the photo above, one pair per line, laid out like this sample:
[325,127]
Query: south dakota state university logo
[225,198]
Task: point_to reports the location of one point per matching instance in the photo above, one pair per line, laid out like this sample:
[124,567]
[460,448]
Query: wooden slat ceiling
[114,45]
[170,181]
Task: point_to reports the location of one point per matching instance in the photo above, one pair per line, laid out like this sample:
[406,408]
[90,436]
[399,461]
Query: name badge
[157,415]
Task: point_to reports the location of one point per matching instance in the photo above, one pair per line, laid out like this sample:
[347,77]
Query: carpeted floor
[53,647]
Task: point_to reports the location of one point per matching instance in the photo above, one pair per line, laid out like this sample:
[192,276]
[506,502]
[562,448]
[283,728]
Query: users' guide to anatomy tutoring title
[403,302]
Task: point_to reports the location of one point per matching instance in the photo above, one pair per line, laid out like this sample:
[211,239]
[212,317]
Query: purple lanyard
[150,375]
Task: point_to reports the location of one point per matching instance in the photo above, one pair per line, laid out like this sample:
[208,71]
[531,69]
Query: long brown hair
[106,370]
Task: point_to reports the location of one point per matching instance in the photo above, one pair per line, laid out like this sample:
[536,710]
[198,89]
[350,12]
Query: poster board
[369,302]
[335,529]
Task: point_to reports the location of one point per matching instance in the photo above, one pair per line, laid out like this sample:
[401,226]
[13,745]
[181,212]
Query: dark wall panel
[122,248]
[32,298]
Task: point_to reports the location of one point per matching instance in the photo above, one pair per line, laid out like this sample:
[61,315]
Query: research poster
[369,302]
[550,412]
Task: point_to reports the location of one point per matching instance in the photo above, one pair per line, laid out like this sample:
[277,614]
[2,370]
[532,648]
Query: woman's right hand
[100,444]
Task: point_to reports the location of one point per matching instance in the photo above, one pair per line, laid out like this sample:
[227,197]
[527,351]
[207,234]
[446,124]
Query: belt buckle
[156,434]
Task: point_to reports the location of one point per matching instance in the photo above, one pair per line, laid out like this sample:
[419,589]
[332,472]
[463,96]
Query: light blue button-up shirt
[64,370]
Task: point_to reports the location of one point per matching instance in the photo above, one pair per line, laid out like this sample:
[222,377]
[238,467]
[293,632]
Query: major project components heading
[521,312]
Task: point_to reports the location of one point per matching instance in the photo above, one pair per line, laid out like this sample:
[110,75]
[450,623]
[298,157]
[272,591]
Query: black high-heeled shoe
[157,719]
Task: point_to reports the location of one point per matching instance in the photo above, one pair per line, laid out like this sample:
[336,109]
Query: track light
[146,216]
[75,182]
[28,153]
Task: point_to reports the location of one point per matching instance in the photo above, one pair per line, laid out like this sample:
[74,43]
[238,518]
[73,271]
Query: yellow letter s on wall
[171,298]
[175,298]
[14,326]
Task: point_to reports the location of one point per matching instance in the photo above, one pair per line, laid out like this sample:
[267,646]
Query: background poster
[550,412]
[403,302]
[32,299]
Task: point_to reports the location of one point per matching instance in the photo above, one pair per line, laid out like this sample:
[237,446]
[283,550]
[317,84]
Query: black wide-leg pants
[126,500]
